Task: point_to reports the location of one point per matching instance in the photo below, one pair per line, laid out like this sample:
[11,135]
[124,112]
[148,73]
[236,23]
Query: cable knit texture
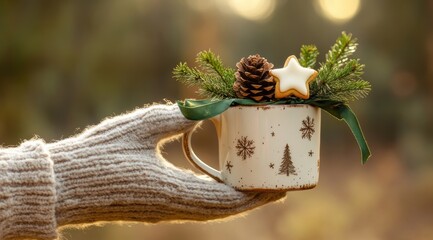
[27,192]
[110,172]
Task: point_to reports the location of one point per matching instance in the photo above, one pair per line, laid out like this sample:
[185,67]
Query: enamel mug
[265,147]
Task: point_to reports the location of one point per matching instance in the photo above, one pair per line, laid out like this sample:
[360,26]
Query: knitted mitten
[113,171]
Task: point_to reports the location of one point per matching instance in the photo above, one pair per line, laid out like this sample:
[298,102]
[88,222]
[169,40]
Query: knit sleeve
[27,192]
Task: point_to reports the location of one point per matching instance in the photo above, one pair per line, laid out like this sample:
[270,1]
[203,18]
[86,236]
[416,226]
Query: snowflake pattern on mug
[229,166]
[245,148]
[307,128]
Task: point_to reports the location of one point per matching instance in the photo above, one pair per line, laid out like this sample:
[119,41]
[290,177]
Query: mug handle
[195,161]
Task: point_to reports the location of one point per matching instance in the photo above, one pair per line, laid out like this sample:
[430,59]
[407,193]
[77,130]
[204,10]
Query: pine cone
[253,79]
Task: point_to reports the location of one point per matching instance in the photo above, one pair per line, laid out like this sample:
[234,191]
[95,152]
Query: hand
[113,171]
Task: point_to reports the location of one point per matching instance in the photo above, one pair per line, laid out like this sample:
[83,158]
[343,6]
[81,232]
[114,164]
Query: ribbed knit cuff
[27,192]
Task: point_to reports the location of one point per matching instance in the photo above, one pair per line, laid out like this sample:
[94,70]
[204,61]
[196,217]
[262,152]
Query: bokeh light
[255,10]
[339,11]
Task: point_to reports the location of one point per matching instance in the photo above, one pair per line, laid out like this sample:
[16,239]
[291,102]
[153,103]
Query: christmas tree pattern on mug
[307,128]
[287,166]
[245,148]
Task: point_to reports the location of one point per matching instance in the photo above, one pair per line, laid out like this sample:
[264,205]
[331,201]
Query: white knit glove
[113,171]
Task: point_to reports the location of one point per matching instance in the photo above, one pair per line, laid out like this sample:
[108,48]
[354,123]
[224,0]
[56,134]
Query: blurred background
[68,64]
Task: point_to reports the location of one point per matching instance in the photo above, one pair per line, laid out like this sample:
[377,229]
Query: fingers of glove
[145,125]
[203,198]
[165,121]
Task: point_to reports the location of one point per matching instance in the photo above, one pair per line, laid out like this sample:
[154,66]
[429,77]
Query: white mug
[265,147]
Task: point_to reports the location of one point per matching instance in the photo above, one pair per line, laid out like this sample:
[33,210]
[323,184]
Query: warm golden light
[199,5]
[339,11]
[255,10]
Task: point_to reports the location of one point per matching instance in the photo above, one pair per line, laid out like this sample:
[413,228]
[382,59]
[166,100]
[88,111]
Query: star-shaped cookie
[293,79]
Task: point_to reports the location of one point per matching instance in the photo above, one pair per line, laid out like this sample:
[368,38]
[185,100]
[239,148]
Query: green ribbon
[207,108]
[342,111]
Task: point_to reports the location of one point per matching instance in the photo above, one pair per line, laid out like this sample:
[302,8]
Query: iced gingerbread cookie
[293,79]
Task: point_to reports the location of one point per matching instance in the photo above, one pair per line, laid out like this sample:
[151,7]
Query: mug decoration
[268,119]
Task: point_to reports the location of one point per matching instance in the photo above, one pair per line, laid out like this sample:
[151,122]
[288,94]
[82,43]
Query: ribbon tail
[203,109]
[343,112]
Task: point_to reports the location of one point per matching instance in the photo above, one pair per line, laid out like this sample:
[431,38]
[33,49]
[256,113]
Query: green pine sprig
[213,79]
[340,77]
[308,56]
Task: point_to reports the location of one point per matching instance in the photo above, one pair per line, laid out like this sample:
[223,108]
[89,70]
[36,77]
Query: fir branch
[210,63]
[343,48]
[351,70]
[211,90]
[345,91]
[214,87]
[187,75]
[308,56]
[211,77]
[339,76]
[339,54]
